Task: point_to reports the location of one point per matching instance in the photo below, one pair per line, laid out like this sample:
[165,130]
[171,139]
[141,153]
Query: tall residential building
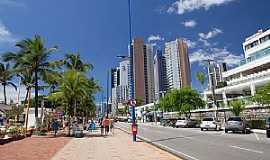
[177,64]
[215,75]
[143,70]
[159,74]
[124,81]
[252,73]
[115,83]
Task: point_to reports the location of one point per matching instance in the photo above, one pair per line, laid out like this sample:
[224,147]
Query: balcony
[248,78]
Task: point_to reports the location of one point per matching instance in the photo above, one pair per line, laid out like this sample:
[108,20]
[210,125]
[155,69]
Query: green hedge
[257,124]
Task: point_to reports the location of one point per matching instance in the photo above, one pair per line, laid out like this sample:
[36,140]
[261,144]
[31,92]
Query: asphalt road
[193,144]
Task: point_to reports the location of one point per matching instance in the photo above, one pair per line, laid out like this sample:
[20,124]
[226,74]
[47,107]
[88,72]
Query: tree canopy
[182,100]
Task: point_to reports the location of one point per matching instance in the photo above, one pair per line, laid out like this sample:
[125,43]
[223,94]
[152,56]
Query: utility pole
[107,105]
[212,85]
[132,96]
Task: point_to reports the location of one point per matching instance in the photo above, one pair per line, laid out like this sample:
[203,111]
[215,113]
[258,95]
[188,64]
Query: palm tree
[6,75]
[73,87]
[32,55]
[201,78]
[73,61]
[237,107]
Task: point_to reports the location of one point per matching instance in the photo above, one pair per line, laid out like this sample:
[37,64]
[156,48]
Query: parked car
[185,123]
[236,124]
[268,127]
[210,123]
[165,122]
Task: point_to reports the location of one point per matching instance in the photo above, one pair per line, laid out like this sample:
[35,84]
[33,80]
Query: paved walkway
[116,147]
[34,148]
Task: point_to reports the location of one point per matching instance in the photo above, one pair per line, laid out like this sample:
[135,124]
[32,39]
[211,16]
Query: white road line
[246,149]
[168,148]
[173,150]
[257,137]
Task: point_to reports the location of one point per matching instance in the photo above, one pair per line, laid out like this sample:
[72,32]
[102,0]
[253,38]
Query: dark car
[235,124]
[268,127]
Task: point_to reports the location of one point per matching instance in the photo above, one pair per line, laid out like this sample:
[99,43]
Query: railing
[248,78]
[255,56]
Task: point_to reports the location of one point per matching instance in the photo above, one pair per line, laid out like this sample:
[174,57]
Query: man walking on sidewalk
[106,123]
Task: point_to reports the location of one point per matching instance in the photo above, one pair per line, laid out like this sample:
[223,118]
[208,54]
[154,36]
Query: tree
[237,107]
[6,75]
[183,100]
[32,55]
[262,95]
[73,61]
[200,76]
[74,88]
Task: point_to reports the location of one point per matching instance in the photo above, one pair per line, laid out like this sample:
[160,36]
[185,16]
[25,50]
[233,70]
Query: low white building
[252,72]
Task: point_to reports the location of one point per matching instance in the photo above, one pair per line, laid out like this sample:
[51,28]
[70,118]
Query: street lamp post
[210,73]
[131,69]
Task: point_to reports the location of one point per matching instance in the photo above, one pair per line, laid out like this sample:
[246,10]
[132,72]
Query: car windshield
[234,119]
[208,119]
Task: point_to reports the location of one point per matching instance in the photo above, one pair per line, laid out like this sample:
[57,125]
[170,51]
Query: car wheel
[207,129]
[226,131]
[244,131]
[268,134]
[201,129]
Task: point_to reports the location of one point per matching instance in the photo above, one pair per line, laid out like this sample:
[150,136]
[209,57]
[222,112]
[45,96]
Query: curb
[164,148]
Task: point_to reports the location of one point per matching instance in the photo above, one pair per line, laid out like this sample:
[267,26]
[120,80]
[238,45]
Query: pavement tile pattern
[113,147]
[34,148]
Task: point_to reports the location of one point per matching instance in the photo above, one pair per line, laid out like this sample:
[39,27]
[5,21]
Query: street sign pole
[132,96]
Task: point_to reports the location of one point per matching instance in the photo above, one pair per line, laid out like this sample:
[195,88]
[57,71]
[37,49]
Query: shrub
[257,124]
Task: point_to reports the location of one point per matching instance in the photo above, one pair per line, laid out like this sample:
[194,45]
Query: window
[208,119]
[251,45]
[234,119]
[265,38]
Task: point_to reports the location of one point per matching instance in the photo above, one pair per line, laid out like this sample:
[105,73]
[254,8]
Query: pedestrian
[101,126]
[106,123]
[111,126]
[55,127]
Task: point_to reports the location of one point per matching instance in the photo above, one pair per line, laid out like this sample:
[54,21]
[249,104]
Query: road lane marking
[246,149]
[166,148]
[257,137]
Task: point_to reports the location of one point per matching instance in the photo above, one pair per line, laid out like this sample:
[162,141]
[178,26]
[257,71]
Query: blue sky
[98,29]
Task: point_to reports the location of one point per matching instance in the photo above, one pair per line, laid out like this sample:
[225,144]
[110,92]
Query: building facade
[252,72]
[177,64]
[143,71]
[160,78]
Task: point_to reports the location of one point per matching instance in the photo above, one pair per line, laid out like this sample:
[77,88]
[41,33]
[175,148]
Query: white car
[183,122]
[210,123]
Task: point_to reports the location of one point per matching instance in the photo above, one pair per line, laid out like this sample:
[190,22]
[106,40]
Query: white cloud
[210,34]
[217,54]
[5,35]
[191,44]
[182,6]
[155,38]
[190,23]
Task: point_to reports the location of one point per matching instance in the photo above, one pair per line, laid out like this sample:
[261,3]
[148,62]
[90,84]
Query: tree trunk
[36,97]
[27,109]
[5,94]
[75,110]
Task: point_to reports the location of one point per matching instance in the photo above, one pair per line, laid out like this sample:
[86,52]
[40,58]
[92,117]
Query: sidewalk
[34,148]
[116,147]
